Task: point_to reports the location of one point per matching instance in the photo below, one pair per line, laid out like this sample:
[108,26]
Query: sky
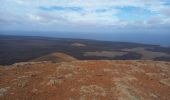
[86,16]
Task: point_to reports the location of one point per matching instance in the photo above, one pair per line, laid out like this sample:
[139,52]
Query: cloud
[109,14]
[165,11]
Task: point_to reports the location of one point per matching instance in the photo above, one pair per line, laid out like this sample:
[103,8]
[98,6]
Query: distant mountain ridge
[24,48]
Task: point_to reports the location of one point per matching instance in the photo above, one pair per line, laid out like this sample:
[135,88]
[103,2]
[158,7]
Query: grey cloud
[155,20]
[166,11]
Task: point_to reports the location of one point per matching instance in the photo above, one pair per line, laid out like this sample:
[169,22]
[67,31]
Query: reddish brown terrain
[86,80]
[55,57]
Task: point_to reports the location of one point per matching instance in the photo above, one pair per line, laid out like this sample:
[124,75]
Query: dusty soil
[146,54]
[86,80]
[105,53]
[78,45]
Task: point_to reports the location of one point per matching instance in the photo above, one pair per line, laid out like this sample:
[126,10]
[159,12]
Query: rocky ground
[86,80]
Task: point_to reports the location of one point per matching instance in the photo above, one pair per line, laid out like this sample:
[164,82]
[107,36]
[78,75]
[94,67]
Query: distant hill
[55,57]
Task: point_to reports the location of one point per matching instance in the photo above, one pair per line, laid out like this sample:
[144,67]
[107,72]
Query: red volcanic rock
[86,80]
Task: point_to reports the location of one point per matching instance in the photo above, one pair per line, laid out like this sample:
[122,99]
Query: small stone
[153,95]
[3,91]
[68,75]
[22,84]
[165,82]
[35,91]
[54,82]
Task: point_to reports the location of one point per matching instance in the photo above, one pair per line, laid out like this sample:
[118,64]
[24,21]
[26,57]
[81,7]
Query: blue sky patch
[101,10]
[60,8]
[134,13]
